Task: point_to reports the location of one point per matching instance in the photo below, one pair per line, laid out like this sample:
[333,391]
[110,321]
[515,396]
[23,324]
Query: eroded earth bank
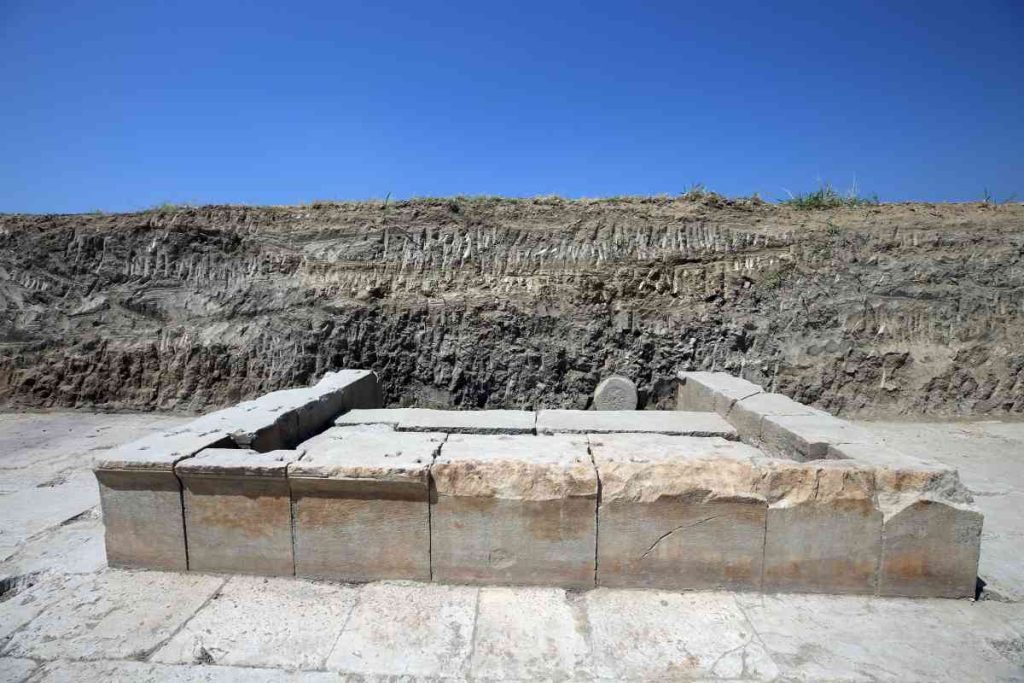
[896,309]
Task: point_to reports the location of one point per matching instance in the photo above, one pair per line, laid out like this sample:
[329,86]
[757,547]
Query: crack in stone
[678,528]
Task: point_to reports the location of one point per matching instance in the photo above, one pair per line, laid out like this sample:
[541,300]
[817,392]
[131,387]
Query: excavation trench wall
[486,303]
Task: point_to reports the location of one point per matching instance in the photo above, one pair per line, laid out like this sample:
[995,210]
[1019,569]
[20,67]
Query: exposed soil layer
[898,309]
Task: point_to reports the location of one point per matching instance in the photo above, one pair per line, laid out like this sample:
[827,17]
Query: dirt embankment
[909,309]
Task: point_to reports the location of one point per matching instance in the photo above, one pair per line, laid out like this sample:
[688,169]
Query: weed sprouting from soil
[827,197]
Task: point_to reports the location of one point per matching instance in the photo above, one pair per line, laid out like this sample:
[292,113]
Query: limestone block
[823,531]
[712,391]
[746,414]
[676,422]
[371,416]
[807,437]
[678,512]
[360,500]
[514,510]
[282,419]
[238,511]
[468,421]
[931,531]
[615,393]
[141,498]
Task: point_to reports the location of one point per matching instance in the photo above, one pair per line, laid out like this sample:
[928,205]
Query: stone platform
[739,489]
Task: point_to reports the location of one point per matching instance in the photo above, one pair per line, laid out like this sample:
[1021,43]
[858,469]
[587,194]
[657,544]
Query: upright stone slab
[238,511]
[678,513]
[675,422]
[141,498]
[282,419]
[931,532]
[360,504]
[468,421]
[514,510]
[747,414]
[615,393]
[712,391]
[823,531]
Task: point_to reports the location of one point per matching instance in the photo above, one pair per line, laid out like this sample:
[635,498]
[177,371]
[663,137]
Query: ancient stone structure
[615,393]
[737,489]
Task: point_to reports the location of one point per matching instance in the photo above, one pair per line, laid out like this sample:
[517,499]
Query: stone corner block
[712,391]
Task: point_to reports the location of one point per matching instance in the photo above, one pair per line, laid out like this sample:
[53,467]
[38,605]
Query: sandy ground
[65,617]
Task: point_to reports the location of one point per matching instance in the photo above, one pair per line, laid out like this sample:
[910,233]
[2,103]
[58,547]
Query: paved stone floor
[65,617]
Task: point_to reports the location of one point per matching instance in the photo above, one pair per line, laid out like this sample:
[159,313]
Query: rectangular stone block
[676,422]
[514,510]
[372,416]
[931,531]
[678,513]
[360,504]
[746,414]
[468,421]
[807,437]
[238,511]
[823,532]
[712,391]
[282,419]
[141,498]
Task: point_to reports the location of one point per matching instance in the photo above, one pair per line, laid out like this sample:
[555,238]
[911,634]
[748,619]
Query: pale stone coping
[468,421]
[673,422]
[515,467]
[238,462]
[370,416]
[368,453]
[713,391]
[161,451]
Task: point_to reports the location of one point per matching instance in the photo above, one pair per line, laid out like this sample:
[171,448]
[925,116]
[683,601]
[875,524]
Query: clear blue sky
[117,105]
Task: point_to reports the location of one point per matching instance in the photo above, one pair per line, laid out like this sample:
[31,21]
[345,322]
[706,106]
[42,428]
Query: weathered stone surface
[807,437]
[529,634]
[678,512]
[113,614]
[746,414]
[931,531]
[370,416]
[712,391]
[650,421]
[282,419]
[261,622]
[823,531]
[413,629]
[141,497]
[237,511]
[656,635]
[16,670]
[468,421]
[360,504]
[514,509]
[615,393]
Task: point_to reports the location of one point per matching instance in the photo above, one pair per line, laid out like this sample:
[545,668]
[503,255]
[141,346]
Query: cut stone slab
[238,511]
[747,414]
[399,629]
[372,416]
[514,509]
[807,437]
[649,421]
[529,634]
[468,421]
[360,501]
[931,531]
[114,614]
[678,512]
[669,636]
[823,531]
[282,419]
[146,672]
[142,500]
[712,391]
[615,393]
[15,670]
[264,623]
